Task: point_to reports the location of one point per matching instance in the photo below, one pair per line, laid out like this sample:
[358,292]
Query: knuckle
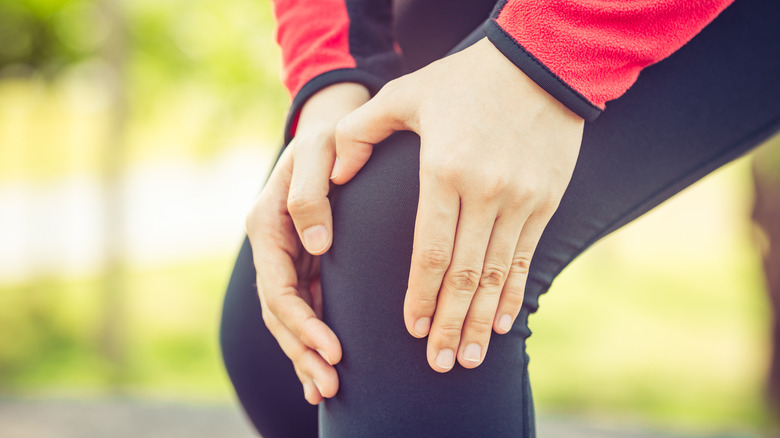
[521,263]
[547,205]
[343,130]
[450,331]
[442,171]
[390,89]
[300,203]
[273,301]
[423,305]
[271,305]
[479,324]
[448,174]
[361,152]
[435,257]
[525,192]
[302,376]
[494,186]
[464,279]
[303,329]
[493,275]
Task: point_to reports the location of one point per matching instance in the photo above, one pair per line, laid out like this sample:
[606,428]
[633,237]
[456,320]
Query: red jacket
[583,52]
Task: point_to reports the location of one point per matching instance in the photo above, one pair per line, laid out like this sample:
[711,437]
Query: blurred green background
[134,137]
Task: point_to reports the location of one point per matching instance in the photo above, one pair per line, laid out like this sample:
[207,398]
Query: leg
[263,377]
[707,104]
[386,386]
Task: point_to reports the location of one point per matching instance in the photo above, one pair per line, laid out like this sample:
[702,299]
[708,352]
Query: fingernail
[472,353]
[324,356]
[445,359]
[505,323]
[315,238]
[306,389]
[335,171]
[317,384]
[422,326]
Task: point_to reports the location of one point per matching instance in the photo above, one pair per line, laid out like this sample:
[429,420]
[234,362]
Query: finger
[434,237]
[357,133]
[299,318]
[459,285]
[268,220]
[278,285]
[479,320]
[514,289]
[318,378]
[312,369]
[273,245]
[307,201]
[271,204]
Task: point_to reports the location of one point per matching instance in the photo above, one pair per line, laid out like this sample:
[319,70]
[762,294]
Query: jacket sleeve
[324,42]
[587,52]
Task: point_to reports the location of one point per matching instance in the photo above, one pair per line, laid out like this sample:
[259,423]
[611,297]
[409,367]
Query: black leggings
[707,104]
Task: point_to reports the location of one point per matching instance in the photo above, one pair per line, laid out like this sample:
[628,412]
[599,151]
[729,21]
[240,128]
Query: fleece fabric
[597,47]
[583,52]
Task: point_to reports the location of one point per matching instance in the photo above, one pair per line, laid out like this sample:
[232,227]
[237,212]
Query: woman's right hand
[289,226]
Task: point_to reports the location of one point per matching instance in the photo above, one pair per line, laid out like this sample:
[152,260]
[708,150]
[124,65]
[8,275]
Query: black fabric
[710,102]
[428,30]
[387,387]
[371,37]
[263,377]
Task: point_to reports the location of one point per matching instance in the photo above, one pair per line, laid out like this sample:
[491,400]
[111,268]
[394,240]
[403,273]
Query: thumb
[357,133]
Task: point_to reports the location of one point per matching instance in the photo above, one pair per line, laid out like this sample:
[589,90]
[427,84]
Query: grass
[51,334]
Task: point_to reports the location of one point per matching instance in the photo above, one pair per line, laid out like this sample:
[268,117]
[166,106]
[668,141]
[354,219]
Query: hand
[497,155]
[293,208]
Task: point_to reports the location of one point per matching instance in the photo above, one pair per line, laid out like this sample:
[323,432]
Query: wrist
[331,103]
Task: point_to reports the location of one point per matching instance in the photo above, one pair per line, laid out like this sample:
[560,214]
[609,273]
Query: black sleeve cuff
[539,73]
[369,80]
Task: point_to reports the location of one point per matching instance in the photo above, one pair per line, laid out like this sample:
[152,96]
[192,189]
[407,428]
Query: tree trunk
[766,215]
[112,336]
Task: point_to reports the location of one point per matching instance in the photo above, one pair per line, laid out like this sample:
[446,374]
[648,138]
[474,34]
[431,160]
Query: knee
[366,270]
[377,208]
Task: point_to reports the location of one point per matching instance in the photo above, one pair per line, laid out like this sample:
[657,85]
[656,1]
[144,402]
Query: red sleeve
[591,51]
[324,42]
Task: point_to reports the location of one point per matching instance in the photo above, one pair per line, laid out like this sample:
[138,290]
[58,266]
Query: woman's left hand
[497,155]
